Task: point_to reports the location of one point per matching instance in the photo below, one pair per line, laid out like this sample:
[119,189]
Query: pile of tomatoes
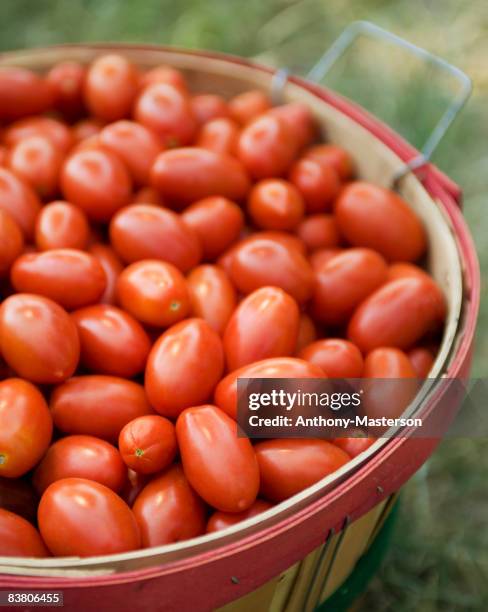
[155,245]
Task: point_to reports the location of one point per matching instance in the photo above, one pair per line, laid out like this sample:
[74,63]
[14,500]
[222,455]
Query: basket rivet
[380,489]
[234,580]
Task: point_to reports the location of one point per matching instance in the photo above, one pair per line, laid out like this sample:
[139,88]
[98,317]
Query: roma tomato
[11,241]
[167,112]
[398,314]
[97,181]
[259,261]
[404,270]
[289,466]
[422,361]
[18,538]
[70,277]
[338,358]
[265,324]
[212,296]
[307,332]
[61,225]
[110,87]
[206,107]
[221,467]
[164,74]
[38,339]
[112,266]
[142,231]
[136,146]
[355,445]
[57,132]
[318,184]
[219,135]
[81,457]
[224,520]
[22,93]
[148,444]
[189,174]
[97,405]
[112,342]
[184,366]
[275,204]
[248,105]
[25,427]
[319,232]
[334,157]
[67,80]
[217,221]
[344,282]
[168,510]
[375,217]
[387,363]
[83,518]
[154,292]
[278,367]
[267,147]
[299,119]
[20,201]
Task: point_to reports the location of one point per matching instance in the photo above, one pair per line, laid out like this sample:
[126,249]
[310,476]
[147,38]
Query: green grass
[438,558]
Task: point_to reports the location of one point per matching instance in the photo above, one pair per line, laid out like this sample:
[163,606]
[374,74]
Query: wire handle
[365,28]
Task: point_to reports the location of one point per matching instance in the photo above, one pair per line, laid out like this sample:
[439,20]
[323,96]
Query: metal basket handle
[365,28]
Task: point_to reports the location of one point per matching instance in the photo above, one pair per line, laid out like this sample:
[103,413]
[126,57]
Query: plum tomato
[338,358]
[67,80]
[97,405]
[164,74]
[57,132]
[220,466]
[183,367]
[168,510]
[81,457]
[20,201]
[319,185]
[289,466]
[219,135]
[61,225]
[319,232]
[264,325]
[217,221]
[82,518]
[11,241]
[354,445]
[111,340]
[275,204]
[422,360]
[18,538]
[377,218]
[112,266]
[206,107]
[143,231]
[25,427]
[299,120]
[248,105]
[38,339]
[307,332]
[223,520]
[154,292]
[148,444]
[334,157]
[22,93]
[402,270]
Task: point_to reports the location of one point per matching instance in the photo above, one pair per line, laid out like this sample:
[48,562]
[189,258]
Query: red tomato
[67,80]
[61,225]
[404,270]
[70,277]
[221,467]
[25,427]
[82,518]
[275,204]
[375,217]
[299,120]
[247,106]
[260,260]
[190,174]
[147,195]
[11,241]
[81,457]
[154,292]
[422,361]
[112,342]
[20,201]
[110,87]
[267,147]
[38,339]
[387,363]
[219,135]
[212,296]
[338,358]
[223,520]
[164,74]
[319,232]
[307,332]
[354,446]
[168,510]
[344,282]
[217,221]
[22,93]
[318,184]
[112,266]
[206,107]
[183,367]
[265,324]
[320,257]
[334,157]
[289,466]
[86,128]
[98,405]
[143,231]
[18,538]
[398,314]
[148,444]
[277,367]
[166,111]
[57,132]
[136,146]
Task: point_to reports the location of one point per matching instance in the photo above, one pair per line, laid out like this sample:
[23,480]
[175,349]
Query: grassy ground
[439,556]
